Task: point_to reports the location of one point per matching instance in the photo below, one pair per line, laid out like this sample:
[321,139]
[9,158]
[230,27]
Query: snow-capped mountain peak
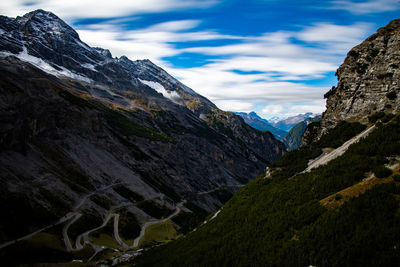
[44,40]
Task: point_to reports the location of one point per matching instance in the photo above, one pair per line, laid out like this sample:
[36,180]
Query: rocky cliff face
[368,80]
[85,132]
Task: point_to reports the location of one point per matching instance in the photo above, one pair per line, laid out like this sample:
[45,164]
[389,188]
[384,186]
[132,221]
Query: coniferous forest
[283,219]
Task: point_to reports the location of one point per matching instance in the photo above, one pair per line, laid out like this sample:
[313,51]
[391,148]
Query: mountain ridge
[332,202]
[86,133]
[261,124]
[288,123]
[293,138]
[367,81]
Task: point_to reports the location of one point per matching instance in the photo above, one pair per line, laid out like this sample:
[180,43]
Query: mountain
[296,126]
[334,201]
[261,124]
[367,81]
[293,138]
[87,138]
[288,123]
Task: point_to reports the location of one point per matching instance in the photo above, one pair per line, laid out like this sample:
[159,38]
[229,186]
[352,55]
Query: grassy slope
[105,236]
[280,221]
[44,247]
[156,233]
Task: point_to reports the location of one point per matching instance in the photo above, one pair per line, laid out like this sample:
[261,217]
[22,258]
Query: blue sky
[274,57]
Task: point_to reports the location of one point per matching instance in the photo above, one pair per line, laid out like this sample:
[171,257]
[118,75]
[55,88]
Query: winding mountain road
[149,223]
[116,232]
[85,236]
[73,216]
[61,220]
[338,151]
[67,242]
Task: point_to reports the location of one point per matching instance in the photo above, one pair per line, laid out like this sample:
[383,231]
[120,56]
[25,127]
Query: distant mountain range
[261,124]
[289,130]
[288,123]
[293,138]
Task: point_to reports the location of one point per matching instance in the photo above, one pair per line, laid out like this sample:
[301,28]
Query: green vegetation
[297,160]
[380,116]
[118,119]
[128,127]
[84,223]
[42,247]
[340,134]
[187,221]
[129,227]
[154,209]
[382,171]
[338,197]
[293,138]
[336,200]
[388,117]
[106,240]
[279,221]
[222,195]
[105,236]
[159,233]
[220,127]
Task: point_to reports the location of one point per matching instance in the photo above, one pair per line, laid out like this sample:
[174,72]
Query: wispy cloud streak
[366,7]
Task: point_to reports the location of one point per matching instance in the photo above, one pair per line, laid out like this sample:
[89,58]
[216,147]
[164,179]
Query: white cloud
[327,32]
[273,60]
[315,108]
[227,85]
[277,65]
[75,9]
[133,49]
[273,110]
[153,42]
[282,111]
[173,26]
[235,105]
[366,7]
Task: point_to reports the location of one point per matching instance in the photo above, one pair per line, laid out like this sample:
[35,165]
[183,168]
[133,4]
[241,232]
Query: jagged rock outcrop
[368,80]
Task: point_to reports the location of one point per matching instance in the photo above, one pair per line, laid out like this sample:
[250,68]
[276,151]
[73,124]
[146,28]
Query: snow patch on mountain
[89,66]
[46,67]
[172,95]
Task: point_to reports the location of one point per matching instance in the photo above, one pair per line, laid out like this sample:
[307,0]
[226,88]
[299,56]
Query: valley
[95,156]
[110,161]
